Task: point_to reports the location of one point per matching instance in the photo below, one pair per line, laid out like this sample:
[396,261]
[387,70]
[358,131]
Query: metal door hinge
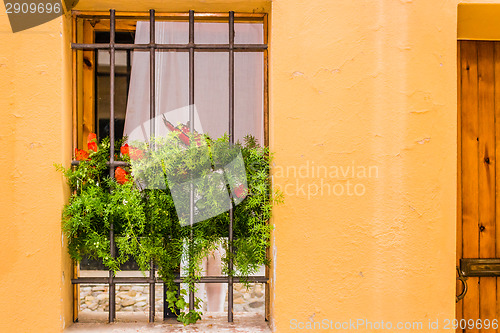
[462,279]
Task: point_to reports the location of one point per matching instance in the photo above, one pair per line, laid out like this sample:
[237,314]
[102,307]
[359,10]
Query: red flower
[92,146]
[183,132]
[135,153]
[121,175]
[81,155]
[125,149]
[185,139]
[92,142]
[241,191]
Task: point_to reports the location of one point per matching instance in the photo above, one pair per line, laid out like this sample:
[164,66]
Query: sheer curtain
[211,98]
[211,82]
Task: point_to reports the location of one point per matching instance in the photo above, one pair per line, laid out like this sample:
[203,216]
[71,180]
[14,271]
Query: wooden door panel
[479,102]
[470,181]
[486,166]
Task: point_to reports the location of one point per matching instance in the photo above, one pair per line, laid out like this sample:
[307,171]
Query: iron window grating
[152,46]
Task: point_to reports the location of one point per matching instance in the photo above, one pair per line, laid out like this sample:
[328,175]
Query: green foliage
[144,218]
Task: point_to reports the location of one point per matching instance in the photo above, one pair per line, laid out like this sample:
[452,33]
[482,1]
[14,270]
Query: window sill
[137,322]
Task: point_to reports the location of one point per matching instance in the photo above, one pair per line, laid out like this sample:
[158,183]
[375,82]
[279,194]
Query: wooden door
[477,232]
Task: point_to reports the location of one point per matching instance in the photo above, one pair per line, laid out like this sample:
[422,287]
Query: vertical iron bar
[231,142]
[266,144]
[152,82]
[191,129]
[112,291]
[152,115]
[76,288]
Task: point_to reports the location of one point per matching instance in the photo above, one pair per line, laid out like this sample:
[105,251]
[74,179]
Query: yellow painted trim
[247,6]
[478,21]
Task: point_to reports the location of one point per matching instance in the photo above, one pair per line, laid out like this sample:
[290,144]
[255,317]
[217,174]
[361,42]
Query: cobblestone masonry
[135,298]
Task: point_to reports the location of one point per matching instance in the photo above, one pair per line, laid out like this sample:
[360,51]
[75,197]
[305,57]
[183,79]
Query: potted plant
[146,203]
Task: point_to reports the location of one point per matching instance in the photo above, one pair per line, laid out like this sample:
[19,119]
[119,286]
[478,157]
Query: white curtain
[211,82]
[211,98]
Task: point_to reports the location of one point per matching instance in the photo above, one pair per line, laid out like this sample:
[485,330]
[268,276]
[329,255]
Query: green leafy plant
[139,204]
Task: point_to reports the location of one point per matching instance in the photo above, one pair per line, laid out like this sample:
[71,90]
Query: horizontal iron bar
[183,15]
[106,74]
[145,280]
[480,267]
[172,47]
[115,163]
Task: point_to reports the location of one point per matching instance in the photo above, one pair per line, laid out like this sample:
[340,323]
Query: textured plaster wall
[35,132]
[363,83]
[374,83]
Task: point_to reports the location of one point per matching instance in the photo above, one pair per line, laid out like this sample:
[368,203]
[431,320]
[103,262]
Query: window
[214,65]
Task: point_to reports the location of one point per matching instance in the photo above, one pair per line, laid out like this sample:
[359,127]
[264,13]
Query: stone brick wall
[135,298]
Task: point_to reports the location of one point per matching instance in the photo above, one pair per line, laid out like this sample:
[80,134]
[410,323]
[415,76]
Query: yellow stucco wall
[35,132]
[370,84]
[374,84]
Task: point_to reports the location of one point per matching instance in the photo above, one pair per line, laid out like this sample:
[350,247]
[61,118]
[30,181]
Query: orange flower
[125,149]
[136,153]
[92,142]
[81,155]
[121,175]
